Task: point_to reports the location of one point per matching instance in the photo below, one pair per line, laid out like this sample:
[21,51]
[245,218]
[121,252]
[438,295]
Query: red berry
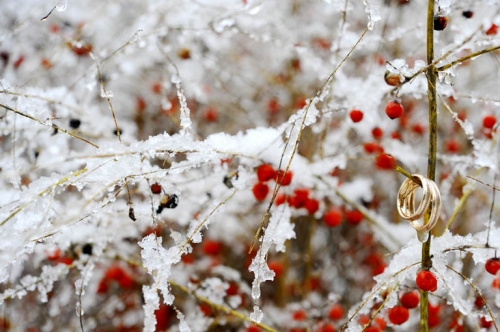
[394,109]
[440,22]
[496,283]
[126,281]
[396,135]
[452,146]
[312,205]
[277,267]
[372,329]
[426,281]
[260,191]
[379,322]
[164,314]
[336,312]
[392,79]
[434,310]
[211,114]
[102,288]
[356,115]
[479,303]
[140,104]
[492,265]
[157,88]
[372,147]
[489,121]
[273,107]
[265,172]
[485,324]
[211,247]
[434,320]
[299,198]
[114,273]
[54,255]
[81,48]
[410,300]
[385,161]
[398,315]
[299,314]
[156,188]
[232,289]
[377,133]
[354,217]
[418,128]
[253,328]
[333,217]
[205,309]
[326,327]
[280,199]
[493,29]
[284,179]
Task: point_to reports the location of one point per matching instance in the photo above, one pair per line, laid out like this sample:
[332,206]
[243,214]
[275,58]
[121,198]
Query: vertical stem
[431,164]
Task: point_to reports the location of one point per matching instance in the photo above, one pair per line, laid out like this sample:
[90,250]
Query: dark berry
[74,123]
[87,249]
[440,22]
[467,13]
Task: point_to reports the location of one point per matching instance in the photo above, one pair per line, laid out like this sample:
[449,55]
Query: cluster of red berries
[118,275]
[266,172]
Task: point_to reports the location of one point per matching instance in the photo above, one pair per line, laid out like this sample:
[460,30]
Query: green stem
[431,163]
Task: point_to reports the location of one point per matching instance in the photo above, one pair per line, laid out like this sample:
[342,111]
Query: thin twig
[467,57]
[45,124]
[205,220]
[369,297]
[277,186]
[478,292]
[104,93]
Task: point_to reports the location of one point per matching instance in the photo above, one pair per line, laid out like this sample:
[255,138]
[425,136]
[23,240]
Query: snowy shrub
[236,165]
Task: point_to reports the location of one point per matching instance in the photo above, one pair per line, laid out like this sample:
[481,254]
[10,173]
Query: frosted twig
[105,94]
[41,193]
[50,125]
[369,297]
[205,220]
[277,185]
[489,185]
[478,292]
[220,307]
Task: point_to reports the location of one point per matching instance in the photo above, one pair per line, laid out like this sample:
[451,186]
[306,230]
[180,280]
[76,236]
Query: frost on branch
[277,232]
[158,262]
[207,94]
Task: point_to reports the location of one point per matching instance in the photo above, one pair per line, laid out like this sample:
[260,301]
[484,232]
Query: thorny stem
[431,161]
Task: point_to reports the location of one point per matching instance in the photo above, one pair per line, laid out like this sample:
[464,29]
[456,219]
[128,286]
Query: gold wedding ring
[430,198]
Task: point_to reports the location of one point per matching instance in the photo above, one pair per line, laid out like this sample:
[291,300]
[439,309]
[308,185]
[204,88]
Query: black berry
[467,13]
[440,22]
[74,123]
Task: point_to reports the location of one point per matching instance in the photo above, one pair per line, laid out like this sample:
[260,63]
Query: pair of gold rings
[430,198]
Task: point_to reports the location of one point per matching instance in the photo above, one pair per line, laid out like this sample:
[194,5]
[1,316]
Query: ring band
[430,198]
